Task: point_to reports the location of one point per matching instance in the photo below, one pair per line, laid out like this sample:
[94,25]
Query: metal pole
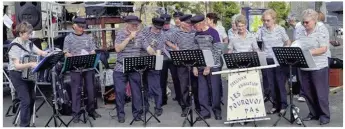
[51,29]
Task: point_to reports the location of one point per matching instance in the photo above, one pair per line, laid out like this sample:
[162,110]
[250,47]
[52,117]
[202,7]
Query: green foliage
[282,9]
[225,11]
[192,7]
[256,23]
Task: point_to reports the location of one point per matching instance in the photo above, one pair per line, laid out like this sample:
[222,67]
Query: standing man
[153,41]
[184,40]
[207,38]
[125,46]
[168,64]
[177,21]
[75,44]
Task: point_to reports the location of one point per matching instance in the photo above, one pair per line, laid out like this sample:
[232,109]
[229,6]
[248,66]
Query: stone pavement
[171,115]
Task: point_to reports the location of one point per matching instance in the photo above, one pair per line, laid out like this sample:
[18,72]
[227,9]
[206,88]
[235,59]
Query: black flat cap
[79,20]
[158,22]
[166,17]
[177,14]
[132,19]
[186,18]
[197,18]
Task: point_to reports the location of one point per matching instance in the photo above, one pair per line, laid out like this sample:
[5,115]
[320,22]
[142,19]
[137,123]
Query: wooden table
[103,21]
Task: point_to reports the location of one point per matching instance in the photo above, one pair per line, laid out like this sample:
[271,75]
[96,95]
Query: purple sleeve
[215,36]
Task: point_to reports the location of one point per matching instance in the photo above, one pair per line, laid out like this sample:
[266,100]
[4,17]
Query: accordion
[26,73]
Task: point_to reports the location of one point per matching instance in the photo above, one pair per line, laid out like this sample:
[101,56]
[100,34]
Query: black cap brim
[134,22]
[158,27]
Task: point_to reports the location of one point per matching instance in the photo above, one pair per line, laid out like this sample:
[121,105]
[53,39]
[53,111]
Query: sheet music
[7,21]
[83,52]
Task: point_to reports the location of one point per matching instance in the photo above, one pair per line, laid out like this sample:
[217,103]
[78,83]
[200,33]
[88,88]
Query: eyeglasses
[305,22]
[266,20]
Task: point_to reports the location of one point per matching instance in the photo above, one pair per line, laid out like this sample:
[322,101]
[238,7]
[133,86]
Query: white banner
[245,99]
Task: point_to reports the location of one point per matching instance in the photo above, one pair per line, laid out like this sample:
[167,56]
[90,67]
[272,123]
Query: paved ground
[171,116]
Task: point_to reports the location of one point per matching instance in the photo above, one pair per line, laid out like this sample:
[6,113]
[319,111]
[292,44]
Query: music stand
[244,60]
[241,60]
[189,59]
[48,63]
[80,64]
[291,57]
[140,65]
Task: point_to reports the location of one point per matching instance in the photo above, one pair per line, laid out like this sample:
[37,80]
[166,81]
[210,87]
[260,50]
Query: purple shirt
[209,40]
[212,32]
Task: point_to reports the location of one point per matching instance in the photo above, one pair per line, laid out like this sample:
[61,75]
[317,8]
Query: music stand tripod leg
[15,119]
[34,107]
[8,111]
[291,106]
[191,106]
[39,107]
[143,98]
[83,106]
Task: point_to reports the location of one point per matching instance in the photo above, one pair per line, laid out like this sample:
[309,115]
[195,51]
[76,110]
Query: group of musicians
[188,33]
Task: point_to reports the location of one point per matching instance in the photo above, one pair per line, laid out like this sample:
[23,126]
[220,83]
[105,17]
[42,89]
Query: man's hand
[206,71]
[150,51]
[68,54]
[133,34]
[195,71]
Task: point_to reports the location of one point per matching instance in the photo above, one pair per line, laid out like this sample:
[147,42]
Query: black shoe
[184,113]
[310,117]
[121,120]
[282,111]
[174,99]
[323,122]
[272,111]
[158,112]
[94,115]
[76,120]
[138,118]
[218,118]
[164,103]
[205,117]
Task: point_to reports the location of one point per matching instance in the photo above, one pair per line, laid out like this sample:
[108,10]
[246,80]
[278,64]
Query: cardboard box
[335,77]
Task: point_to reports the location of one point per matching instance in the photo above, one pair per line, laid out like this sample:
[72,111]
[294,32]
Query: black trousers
[168,65]
[316,92]
[76,83]
[184,89]
[26,94]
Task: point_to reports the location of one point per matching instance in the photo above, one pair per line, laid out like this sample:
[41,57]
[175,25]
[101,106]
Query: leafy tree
[282,9]
[225,10]
[192,7]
